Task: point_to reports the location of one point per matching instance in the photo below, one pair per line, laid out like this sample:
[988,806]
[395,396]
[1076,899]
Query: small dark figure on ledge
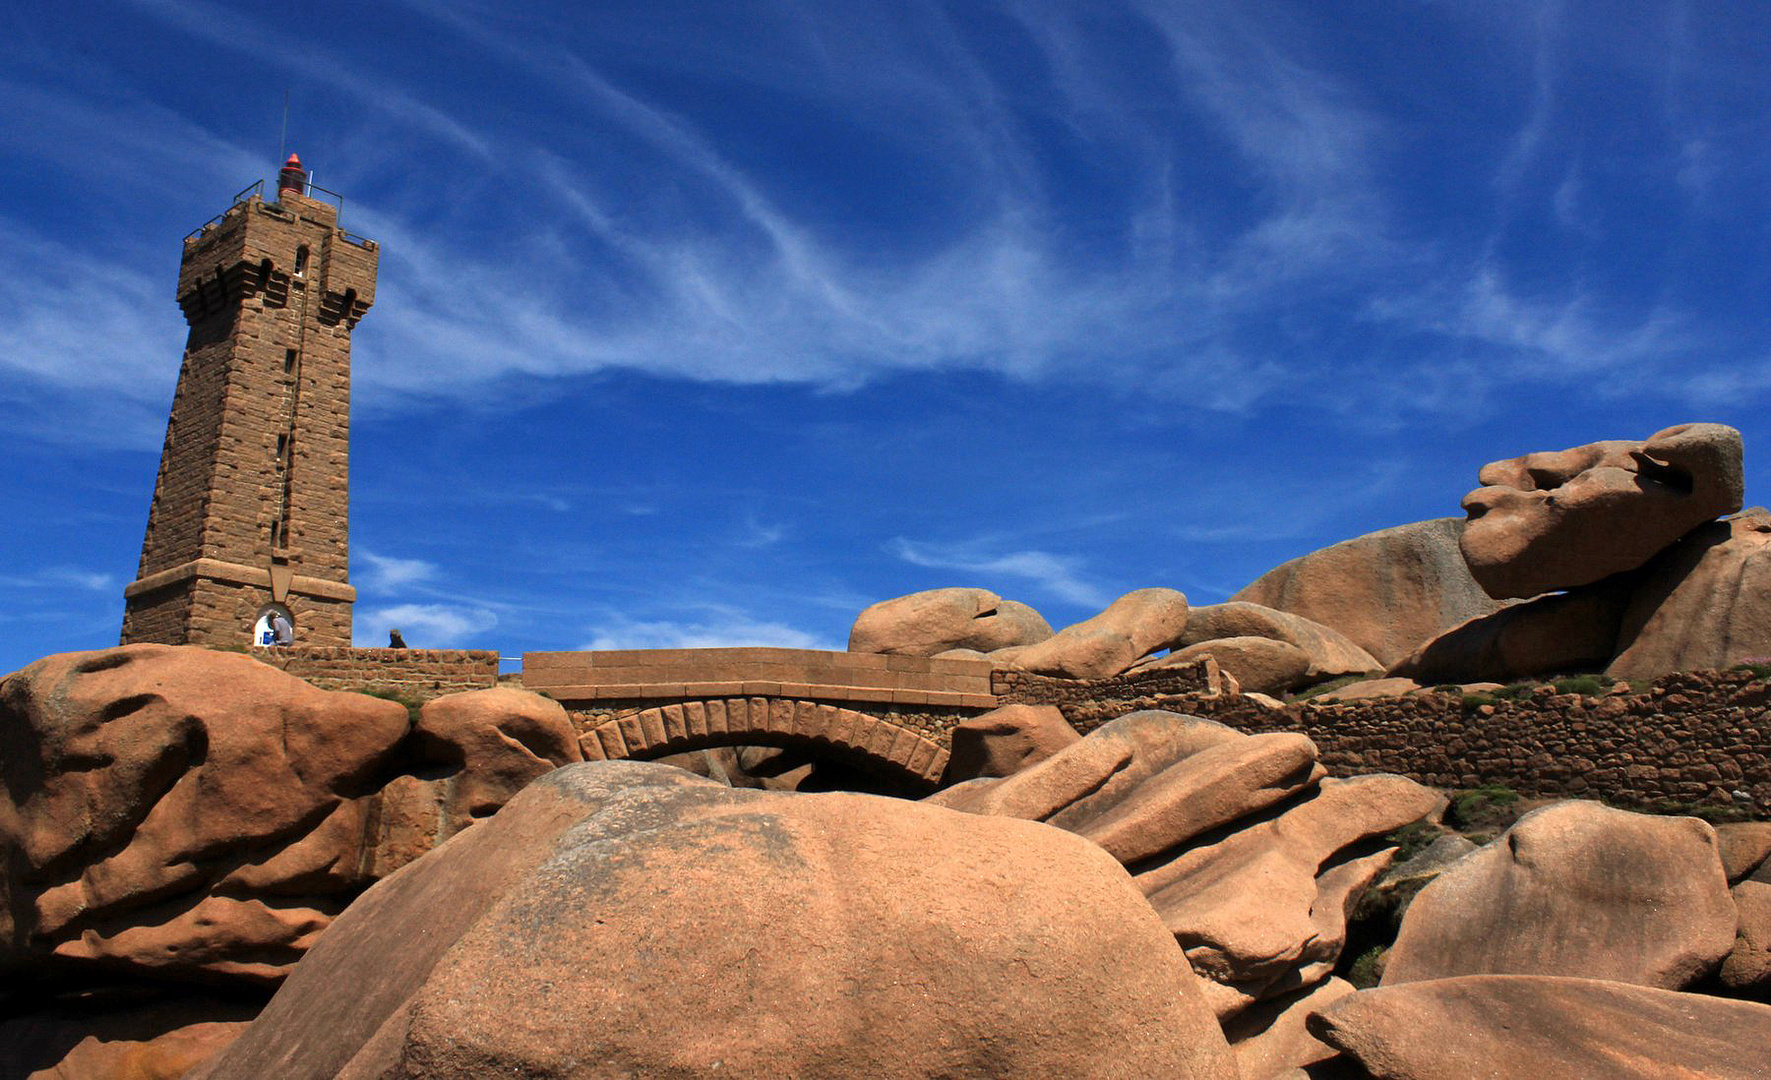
[395,641]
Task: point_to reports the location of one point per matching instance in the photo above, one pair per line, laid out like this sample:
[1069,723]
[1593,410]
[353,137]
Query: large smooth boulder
[1705,604]
[174,812]
[1004,741]
[624,919]
[1386,591]
[939,620]
[1560,519]
[1572,631]
[1138,624]
[493,742]
[1576,889]
[1331,653]
[1526,1027]
[1260,665]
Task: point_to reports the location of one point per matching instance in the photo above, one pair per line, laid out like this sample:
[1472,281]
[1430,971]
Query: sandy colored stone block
[591,747]
[652,724]
[676,725]
[716,717]
[632,734]
[695,718]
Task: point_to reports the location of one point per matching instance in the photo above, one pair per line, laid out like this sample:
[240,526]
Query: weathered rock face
[1387,591]
[1705,604]
[927,623]
[158,1040]
[1004,741]
[621,919]
[1572,631]
[175,812]
[1270,1039]
[1250,857]
[1528,1027]
[1259,665]
[1331,653]
[1576,889]
[493,742]
[1572,517]
[1140,623]
[1747,967]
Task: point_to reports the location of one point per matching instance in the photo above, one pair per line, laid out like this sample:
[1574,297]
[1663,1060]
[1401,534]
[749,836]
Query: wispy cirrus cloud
[424,626]
[1058,576]
[389,572]
[707,629]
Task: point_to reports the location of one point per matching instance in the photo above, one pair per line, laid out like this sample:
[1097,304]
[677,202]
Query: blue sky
[712,323]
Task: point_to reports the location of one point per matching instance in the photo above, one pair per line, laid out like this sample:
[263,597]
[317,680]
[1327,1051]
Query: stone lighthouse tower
[248,534]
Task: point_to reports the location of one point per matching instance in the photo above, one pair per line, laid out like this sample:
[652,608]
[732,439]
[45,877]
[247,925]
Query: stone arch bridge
[891,714]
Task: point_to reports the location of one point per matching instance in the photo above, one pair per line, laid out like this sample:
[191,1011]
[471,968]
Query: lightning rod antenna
[283,138]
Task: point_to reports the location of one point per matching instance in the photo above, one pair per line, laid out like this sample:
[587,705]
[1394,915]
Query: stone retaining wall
[417,674]
[1695,737]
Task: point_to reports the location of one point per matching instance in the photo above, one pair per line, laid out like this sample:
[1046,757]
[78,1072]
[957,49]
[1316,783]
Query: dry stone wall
[1691,737]
[414,674]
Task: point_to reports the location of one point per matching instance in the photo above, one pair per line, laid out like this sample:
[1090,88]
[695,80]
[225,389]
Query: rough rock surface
[927,623]
[1747,967]
[158,1040]
[1004,741]
[1572,517]
[1331,653]
[1525,1027]
[1368,688]
[574,934]
[1572,631]
[1745,846]
[1138,624]
[1270,1039]
[1252,859]
[1705,604]
[176,812]
[494,742]
[1260,665]
[1576,889]
[1387,591]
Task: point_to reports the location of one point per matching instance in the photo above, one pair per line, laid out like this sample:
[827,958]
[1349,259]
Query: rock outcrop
[1572,517]
[619,918]
[939,620]
[1703,604]
[1004,741]
[1572,631]
[1331,653]
[1533,1027]
[1259,665]
[1139,624]
[1388,591]
[179,813]
[1575,889]
[1252,859]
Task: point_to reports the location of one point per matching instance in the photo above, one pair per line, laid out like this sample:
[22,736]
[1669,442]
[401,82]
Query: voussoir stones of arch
[690,725]
[1560,519]
[1576,889]
[178,813]
[1138,624]
[939,620]
[1703,604]
[1252,858]
[1533,1027]
[1387,591]
[625,918]
[1331,654]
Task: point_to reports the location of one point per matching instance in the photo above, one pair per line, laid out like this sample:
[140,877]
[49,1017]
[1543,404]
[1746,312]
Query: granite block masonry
[251,509]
